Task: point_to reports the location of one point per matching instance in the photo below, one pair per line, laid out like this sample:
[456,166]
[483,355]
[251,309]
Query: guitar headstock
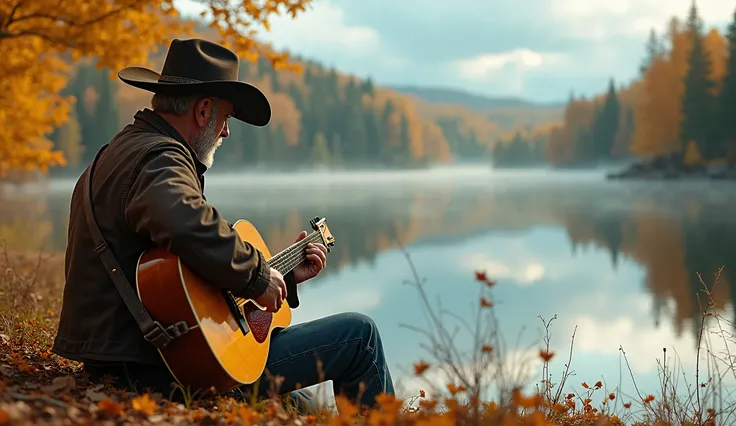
[320,225]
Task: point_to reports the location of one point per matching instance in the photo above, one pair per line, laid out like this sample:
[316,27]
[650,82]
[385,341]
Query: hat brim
[250,105]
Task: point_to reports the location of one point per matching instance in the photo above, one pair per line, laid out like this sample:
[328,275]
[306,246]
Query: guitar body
[216,352]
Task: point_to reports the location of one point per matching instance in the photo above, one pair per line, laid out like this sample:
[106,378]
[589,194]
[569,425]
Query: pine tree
[697,102]
[727,98]
[654,50]
[606,124]
[320,152]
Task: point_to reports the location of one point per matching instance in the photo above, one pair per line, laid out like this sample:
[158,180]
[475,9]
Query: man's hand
[316,260]
[275,293]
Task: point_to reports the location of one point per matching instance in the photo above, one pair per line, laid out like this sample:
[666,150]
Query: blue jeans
[350,349]
[348,345]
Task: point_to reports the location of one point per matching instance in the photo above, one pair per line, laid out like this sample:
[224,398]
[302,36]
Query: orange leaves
[657,114]
[454,390]
[110,407]
[144,404]
[420,367]
[521,400]
[485,303]
[545,355]
[347,411]
[482,277]
[115,32]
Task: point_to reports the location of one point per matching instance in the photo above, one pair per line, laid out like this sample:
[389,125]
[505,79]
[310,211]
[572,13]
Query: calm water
[618,260]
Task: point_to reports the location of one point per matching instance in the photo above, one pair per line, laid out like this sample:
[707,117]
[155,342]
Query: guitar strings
[290,257]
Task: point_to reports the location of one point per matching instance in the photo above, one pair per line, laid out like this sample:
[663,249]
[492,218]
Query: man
[146,191]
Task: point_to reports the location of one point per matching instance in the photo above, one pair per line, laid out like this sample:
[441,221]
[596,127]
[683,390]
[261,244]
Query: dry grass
[37,387]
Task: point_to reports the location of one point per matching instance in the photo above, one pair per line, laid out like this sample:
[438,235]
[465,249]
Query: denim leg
[349,347]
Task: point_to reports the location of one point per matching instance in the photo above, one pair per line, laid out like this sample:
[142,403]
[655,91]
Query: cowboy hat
[198,66]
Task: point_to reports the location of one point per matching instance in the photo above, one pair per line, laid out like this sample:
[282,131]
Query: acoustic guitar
[229,337]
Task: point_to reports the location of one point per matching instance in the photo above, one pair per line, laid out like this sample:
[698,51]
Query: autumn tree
[37,36]
[658,113]
[654,50]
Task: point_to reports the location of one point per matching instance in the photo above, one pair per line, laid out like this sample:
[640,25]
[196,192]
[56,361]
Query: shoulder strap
[153,331]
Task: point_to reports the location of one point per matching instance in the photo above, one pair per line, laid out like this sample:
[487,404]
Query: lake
[617,260]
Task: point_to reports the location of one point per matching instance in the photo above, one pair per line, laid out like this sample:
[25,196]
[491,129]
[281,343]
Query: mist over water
[619,260]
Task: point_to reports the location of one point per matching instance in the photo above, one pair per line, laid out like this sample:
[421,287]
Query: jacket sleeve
[164,203]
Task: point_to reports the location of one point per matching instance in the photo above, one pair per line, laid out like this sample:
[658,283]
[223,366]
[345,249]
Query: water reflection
[619,260]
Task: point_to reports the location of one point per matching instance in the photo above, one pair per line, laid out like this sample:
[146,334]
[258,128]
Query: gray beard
[206,142]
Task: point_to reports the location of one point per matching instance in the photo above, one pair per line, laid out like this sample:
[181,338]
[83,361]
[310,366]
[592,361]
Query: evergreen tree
[697,101]
[320,152]
[606,124]
[654,49]
[726,124]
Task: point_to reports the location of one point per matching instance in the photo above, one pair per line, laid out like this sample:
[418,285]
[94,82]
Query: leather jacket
[147,191]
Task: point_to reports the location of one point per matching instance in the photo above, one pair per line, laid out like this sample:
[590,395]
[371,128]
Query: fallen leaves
[94,394]
[64,383]
[144,404]
[110,407]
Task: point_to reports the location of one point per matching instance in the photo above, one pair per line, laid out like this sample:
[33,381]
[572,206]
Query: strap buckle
[161,336]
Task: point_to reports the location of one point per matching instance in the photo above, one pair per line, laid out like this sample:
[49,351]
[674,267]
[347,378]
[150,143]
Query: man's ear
[202,111]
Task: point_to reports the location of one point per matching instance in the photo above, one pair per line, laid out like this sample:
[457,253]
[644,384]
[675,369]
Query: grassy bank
[37,387]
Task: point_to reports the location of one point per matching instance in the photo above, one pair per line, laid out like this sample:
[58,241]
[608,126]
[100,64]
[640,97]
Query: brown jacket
[147,191]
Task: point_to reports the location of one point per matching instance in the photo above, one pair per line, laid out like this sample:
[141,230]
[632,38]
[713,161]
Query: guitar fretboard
[290,257]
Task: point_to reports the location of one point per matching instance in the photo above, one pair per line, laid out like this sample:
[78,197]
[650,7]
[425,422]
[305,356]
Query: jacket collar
[160,125]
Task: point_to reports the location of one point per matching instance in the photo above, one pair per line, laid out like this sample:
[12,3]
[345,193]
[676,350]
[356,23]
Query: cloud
[524,272]
[321,29]
[602,20]
[644,342]
[539,49]
[518,60]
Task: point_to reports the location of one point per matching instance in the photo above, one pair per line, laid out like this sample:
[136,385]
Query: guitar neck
[287,259]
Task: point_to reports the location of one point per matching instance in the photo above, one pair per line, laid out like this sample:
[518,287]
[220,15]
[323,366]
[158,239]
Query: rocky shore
[670,168]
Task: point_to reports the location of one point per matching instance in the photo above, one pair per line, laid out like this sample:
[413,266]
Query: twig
[44,398]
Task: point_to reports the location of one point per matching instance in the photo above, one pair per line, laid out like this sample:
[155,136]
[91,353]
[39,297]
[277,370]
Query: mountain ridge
[476,101]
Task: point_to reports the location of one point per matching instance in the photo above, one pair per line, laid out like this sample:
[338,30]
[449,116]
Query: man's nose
[225,131]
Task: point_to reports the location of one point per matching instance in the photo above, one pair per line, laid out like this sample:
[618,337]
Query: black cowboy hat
[198,66]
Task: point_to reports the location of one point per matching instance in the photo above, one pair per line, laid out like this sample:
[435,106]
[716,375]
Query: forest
[678,107]
[321,118]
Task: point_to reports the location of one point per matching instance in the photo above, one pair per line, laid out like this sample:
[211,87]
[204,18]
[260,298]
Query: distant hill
[470,100]
[507,113]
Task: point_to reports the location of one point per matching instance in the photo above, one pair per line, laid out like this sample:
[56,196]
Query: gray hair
[174,104]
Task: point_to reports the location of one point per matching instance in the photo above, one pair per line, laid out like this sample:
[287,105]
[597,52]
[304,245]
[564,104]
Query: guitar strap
[153,331]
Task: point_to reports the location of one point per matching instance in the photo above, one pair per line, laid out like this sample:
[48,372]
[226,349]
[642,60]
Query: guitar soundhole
[258,321]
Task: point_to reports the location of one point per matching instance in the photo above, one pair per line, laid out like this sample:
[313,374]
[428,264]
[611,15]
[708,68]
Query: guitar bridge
[236,311]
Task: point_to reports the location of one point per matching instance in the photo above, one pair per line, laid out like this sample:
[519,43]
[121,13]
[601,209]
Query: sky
[539,50]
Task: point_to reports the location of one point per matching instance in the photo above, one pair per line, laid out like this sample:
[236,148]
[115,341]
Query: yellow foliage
[717,47]
[34,35]
[692,154]
[658,115]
